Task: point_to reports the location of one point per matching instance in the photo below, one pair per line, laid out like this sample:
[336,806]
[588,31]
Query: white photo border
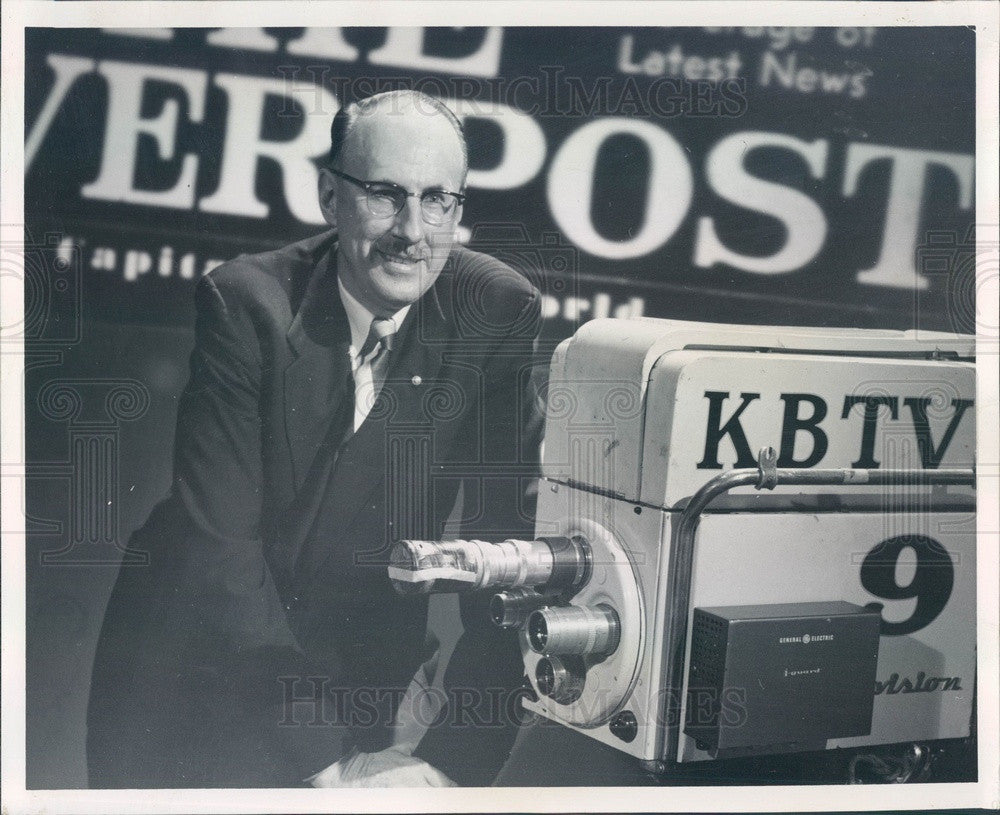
[984,17]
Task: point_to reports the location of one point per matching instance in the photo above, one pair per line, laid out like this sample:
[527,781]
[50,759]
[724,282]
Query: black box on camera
[766,678]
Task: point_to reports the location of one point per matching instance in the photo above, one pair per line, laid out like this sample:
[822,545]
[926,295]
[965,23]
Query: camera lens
[510,609]
[560,679]
[545,675]
[538,631]
[574,630]
[420,566]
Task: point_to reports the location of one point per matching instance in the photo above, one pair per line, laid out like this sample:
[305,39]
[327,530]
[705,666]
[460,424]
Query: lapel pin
[416,380]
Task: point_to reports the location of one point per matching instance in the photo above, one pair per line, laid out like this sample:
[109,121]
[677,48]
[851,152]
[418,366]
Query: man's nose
[410,221]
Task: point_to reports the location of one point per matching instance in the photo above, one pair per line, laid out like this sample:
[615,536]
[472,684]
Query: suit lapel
[317,379]
[361,466]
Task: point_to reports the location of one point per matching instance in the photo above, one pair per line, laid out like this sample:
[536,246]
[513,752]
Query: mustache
[409,253]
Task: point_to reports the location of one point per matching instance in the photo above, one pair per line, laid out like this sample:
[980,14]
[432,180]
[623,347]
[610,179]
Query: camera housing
[861,497]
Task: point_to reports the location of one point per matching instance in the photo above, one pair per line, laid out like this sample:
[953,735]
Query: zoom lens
[574,630]
[419,567]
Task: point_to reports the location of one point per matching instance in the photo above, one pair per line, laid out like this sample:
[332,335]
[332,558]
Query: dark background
[106,349]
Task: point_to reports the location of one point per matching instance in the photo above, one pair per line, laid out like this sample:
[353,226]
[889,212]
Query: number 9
[931,585]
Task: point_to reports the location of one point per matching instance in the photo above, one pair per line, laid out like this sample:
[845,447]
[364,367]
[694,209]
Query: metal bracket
[767,462]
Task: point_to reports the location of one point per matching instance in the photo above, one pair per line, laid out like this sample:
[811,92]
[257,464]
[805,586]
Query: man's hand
[387,768]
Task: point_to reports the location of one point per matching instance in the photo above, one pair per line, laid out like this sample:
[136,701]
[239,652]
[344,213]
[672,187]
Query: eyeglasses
[385,200]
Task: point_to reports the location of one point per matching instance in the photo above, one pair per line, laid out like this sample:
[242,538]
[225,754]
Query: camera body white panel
[636,409]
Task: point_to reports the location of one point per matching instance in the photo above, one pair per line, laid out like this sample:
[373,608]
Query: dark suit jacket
[237,656]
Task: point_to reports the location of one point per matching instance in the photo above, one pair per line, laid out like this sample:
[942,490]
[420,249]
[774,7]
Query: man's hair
[349,115]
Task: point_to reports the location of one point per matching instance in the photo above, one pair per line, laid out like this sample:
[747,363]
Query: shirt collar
[360,318]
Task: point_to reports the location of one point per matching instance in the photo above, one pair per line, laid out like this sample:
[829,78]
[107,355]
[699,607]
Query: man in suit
[263,644]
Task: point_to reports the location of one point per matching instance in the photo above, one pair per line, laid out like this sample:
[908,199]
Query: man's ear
[328,196]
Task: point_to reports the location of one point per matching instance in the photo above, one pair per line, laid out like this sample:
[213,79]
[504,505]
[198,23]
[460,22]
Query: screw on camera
[964,270]
[49,267]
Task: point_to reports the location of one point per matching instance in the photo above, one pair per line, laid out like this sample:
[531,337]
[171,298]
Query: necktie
[381,332]
[380,335]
